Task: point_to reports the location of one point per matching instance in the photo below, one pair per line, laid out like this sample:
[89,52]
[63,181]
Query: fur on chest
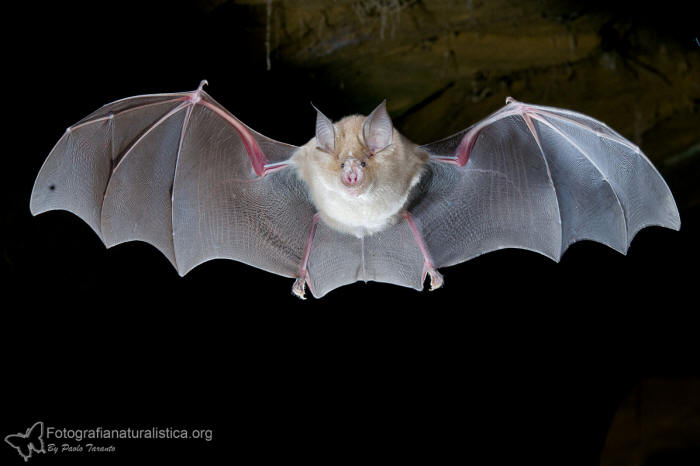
[359,215]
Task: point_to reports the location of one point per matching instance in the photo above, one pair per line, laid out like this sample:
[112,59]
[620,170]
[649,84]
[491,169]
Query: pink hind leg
[436,279]
[303,277]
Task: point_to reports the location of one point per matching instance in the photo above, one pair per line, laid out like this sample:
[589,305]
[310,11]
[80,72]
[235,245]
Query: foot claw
[298,289]
[436,279]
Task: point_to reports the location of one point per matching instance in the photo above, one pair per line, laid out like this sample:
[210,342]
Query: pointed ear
[378,129]
[325,132]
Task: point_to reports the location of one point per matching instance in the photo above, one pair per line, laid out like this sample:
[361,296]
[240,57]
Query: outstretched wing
[180,172]
[537,178]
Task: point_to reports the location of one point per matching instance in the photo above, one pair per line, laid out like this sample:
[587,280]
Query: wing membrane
[538,178]
[180,172]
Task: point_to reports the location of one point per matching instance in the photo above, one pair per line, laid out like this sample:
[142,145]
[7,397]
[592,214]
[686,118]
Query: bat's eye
[342,165]
[363,164]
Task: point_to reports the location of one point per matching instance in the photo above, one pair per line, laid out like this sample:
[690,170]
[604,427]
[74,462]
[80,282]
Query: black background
[516,358]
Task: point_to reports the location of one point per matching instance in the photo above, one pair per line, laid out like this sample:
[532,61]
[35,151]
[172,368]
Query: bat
[31,441]
[359,201]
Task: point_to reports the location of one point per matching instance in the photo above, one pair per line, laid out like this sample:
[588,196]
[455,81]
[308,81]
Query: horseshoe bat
[359,201]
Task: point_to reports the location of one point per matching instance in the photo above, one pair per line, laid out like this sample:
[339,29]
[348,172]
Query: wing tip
[34,210]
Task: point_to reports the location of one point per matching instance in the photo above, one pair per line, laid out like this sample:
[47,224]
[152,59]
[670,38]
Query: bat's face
[347,151]
[343,161]
[352,165]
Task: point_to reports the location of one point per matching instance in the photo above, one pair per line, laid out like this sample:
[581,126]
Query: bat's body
[378,190]
[359,201]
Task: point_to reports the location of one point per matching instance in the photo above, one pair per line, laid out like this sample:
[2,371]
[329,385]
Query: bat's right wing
[536,178]
[180,172]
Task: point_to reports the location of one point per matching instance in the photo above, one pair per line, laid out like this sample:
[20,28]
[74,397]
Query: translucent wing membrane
[537,178]
[338,259]
[181,173]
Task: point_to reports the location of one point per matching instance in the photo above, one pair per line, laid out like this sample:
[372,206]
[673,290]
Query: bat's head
[352,146]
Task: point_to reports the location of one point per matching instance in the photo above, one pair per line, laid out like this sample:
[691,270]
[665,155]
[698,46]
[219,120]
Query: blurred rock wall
[658,424]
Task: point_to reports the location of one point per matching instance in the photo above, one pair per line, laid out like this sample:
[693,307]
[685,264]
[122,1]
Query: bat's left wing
[536,178]
[180,172]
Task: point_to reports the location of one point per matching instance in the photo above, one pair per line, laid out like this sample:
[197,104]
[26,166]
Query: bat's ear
[325,132]
[377,129]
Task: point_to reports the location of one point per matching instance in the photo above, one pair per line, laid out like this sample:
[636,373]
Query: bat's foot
[299,288]
[436,279]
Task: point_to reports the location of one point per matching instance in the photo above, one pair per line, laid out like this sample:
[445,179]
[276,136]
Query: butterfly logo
[31,441]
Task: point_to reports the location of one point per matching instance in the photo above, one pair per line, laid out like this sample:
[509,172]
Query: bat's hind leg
[299,287]
[436,279]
